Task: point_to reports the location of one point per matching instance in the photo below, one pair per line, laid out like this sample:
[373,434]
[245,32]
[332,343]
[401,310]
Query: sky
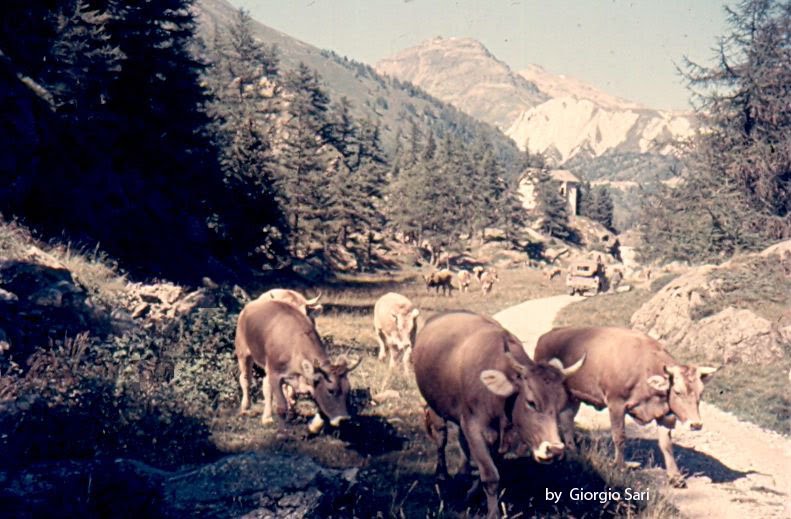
[627,48]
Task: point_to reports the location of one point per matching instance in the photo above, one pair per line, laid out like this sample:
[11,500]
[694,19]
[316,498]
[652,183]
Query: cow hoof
[677,481]
[245,412]
[632,465]
[266,420]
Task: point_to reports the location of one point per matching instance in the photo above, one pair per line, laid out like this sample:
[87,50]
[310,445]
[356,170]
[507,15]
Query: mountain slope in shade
[390,103]
[462,72]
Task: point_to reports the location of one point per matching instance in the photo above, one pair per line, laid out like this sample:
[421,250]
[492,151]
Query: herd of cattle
[442,280]
[474,373]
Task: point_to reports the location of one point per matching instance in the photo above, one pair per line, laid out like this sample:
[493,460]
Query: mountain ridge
[568,117]
[394,104]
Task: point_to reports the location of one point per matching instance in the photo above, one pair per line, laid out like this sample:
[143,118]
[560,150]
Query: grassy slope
[386,443]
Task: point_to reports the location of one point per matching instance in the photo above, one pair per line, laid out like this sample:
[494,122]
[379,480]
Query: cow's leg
[480,441]
[438,431]
[382,346]
[245,372]
[566,422]
[666,446]
[280,402]
[406,359]
[618,428]
[266,389]
[466,462]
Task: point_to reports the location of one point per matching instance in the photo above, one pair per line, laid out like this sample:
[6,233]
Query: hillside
[387,101]
[559,116]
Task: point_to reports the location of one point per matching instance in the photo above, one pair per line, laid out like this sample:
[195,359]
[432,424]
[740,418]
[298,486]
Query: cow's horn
[515,364]
[311,302]
[567,372]
[706,371]
[673,370]
[354,363]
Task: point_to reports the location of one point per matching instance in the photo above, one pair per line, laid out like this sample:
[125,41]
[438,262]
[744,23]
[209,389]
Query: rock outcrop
[688,312]
[253,485]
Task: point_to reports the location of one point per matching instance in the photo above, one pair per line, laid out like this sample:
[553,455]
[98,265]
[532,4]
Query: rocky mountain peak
[463,72]
[544,112]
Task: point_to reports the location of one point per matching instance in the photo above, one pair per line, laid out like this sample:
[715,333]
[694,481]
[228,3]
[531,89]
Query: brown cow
[628,372]
[440,279]
[467,368]
[395,325]
[464,278]
[280,339]
[309,307]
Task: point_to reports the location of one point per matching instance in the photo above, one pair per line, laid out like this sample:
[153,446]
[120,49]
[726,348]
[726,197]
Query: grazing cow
[474,373]
[309,307]
[487,281]
[464,278]
[628,372]
[440,279]
[279,338]
[395,323]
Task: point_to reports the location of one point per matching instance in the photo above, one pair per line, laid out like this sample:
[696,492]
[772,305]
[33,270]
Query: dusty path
[738,470]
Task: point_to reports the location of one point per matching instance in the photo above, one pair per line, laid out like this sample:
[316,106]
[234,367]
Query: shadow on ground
[690,461]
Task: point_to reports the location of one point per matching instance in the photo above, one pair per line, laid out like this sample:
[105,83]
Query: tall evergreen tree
[553,207]
[246,103]
[123,157]
[304,161]
[736,194]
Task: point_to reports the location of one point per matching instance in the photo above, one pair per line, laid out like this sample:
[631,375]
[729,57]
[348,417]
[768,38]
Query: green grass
[603,310]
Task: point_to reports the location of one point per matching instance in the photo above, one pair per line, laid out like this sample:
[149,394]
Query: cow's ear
[496,382]
[415,313]
[705,372]
[658,383]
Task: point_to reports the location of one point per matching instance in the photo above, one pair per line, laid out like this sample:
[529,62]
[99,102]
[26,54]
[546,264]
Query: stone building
[569,187]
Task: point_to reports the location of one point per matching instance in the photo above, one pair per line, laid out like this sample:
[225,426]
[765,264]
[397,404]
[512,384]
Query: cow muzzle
[547,452]
[335,422]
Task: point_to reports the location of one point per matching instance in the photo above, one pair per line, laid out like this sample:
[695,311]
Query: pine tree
[553,207]
[246,87]
[303,160]
[736,194]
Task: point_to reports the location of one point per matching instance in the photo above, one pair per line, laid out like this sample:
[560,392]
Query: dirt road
[737,470]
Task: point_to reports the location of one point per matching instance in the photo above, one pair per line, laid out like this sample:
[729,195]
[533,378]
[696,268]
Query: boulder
[668,315]
[734,336]
[242,485]
[679,314]
[8,297]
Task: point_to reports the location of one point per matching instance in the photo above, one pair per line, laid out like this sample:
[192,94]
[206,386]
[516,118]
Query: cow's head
[403,334]
[540,396]
[312,306]
[683,385]
[429,279]
[330,387]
